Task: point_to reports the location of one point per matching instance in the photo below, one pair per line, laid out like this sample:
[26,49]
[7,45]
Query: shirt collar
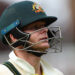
[22,63]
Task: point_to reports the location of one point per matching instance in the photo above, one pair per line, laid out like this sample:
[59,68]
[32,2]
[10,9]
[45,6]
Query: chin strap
[36,53]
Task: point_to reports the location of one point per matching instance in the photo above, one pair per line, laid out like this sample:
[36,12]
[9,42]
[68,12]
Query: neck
[30,58]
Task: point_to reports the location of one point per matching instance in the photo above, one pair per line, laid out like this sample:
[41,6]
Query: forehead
[37,24]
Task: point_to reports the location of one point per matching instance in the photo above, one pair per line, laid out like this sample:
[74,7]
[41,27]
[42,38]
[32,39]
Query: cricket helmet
[19,15]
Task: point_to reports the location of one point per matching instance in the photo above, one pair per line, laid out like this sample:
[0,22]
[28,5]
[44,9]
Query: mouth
[44,38]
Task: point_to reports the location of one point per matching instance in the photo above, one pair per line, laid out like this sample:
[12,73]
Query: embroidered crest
[37,8]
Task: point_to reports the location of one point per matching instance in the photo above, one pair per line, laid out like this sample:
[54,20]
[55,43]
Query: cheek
[34,38]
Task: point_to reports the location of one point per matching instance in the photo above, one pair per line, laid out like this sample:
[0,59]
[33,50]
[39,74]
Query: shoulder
[58,72]
[48,69]
[4,70]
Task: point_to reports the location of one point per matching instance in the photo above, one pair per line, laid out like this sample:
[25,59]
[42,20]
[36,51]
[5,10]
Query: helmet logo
[37,8]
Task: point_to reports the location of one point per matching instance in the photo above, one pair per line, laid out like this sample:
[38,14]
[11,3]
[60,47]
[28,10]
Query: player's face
[38,36]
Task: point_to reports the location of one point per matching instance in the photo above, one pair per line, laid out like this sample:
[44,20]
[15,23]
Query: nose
[44,30]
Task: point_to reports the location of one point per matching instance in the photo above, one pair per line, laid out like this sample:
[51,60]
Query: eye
[39,26]
[36,27]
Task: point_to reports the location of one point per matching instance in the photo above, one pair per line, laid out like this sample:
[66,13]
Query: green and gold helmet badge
[37,8]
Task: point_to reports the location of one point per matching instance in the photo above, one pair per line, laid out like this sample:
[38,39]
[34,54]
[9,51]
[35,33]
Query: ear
[12,38]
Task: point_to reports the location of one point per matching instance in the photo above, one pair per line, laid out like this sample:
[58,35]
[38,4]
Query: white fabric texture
[27,69]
